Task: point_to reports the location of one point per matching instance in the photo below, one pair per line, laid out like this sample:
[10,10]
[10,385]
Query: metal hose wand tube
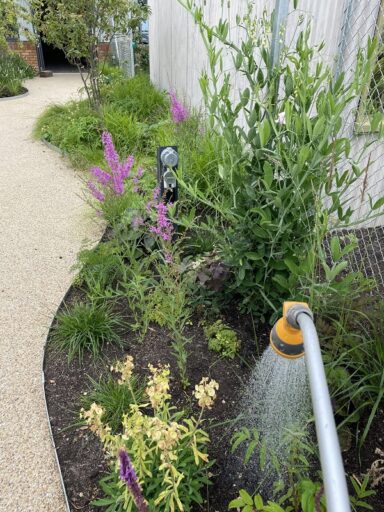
[335,485]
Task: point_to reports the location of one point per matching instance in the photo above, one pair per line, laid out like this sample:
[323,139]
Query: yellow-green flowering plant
[167,449]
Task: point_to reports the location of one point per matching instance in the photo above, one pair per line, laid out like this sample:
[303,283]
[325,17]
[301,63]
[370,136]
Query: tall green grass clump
[132,110]
[86,328]
[13,71]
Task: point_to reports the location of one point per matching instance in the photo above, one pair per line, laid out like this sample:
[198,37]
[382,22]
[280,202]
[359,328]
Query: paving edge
[53,147]
[17,96]
[63,488]
[43,381]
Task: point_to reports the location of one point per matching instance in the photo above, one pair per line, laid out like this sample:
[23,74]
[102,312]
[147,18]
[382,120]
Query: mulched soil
[80,454]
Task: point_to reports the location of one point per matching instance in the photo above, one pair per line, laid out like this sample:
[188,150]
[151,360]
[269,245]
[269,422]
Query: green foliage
[222,339]
[168,306]
[325,280]
[77,27]
[282,159]
[76,128]
[138,97]
[13,71]
[10,14]
[311,495]
[362,492]
[85,328]
[100,268]
[355,366]
[168,449]
[114,398]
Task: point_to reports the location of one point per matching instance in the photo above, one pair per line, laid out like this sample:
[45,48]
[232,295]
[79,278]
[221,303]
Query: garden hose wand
[295,336]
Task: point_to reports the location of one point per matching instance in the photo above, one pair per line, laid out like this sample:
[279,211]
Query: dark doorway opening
[55,59]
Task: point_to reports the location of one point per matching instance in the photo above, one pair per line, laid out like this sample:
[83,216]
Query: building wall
[27,50]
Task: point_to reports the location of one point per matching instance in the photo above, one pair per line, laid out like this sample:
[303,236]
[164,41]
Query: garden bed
[80,453]
[24,91]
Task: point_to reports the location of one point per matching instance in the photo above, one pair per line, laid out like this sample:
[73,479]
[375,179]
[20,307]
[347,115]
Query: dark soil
[7,94]
[80,454]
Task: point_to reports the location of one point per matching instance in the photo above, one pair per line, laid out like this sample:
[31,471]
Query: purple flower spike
[164,227]
[127,166]
[97,194]
[110,152]
[178,111]
[128,475]
[102,177]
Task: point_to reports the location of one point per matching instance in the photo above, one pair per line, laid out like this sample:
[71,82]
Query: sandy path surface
[43,222]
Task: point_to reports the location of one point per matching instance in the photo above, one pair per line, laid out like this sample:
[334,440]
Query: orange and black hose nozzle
[286,340]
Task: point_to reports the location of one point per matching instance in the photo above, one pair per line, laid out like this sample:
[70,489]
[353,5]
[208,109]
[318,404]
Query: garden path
[43,221]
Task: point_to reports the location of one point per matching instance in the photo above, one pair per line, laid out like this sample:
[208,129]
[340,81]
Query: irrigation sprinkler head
[286,338]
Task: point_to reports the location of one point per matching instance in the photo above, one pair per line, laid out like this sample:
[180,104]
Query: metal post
[280,14]
[167,163]
[342,43]
[335,485]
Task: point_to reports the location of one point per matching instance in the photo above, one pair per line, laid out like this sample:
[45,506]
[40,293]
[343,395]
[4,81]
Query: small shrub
[168,450]
[222,339]
[86,328]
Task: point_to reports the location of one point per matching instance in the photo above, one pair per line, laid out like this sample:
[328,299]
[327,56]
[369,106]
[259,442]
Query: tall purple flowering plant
[114,178]
[128,475]
[163,227]
[178,110]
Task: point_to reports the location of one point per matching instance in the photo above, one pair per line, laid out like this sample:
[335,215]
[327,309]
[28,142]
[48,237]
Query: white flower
[280,118]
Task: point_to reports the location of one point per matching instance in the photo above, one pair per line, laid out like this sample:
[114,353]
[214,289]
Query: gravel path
[43,221]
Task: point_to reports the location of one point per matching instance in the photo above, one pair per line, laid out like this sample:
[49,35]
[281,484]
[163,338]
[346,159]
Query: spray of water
[276,398]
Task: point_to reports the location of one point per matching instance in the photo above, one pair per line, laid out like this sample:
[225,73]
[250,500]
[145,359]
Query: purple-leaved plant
[118,171]
[178,110]
[128,475]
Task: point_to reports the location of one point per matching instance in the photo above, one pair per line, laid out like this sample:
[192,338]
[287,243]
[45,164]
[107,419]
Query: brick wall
[102,50]
[27,51]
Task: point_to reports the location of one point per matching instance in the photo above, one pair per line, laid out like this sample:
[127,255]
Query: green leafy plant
[280,153]
[361,366]
[168,305]
[77,27]
[13,71]
[86,328]
[222,339]
[114,398]
[166,447]
[362,492]
[311,499]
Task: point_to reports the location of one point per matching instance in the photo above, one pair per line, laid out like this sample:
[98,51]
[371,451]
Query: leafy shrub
[100,268]
[114,398]
[222,338]
[86,327]
[280,151]
[13,70]
[70,127]
[167,448]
